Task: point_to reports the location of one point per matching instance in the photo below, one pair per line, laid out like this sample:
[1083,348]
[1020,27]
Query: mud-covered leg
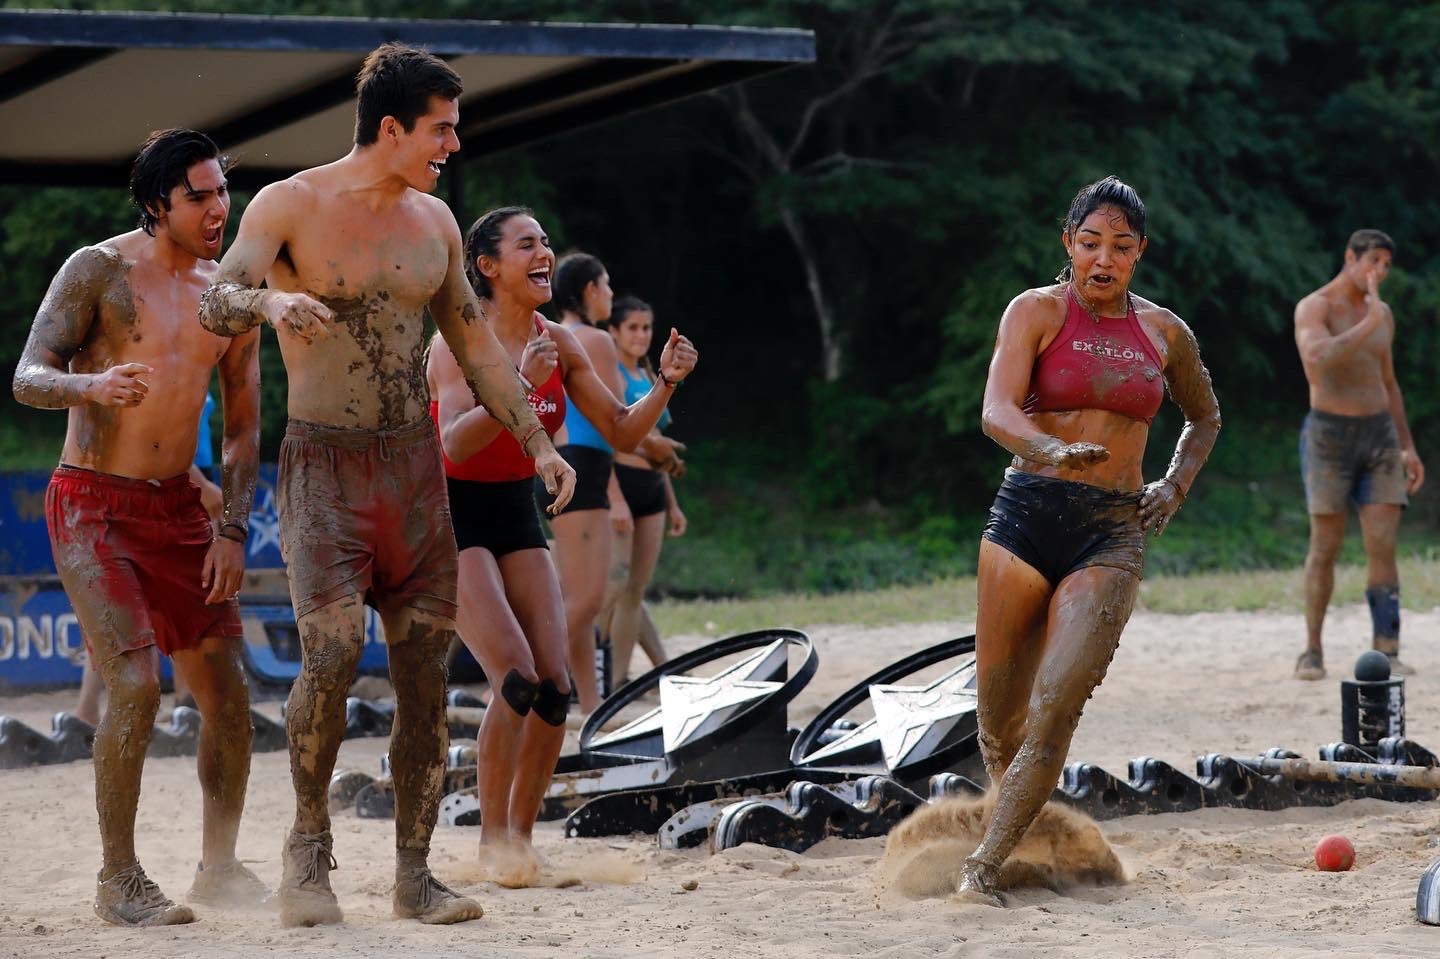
[418,641]
[125,896]
[1087,615]
[216,680]
[1013,599]
[331,639]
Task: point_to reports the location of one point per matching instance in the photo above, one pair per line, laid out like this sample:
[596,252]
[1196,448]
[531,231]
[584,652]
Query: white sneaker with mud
[419,895]
[304,895]
[129,898]
[227,886]
[1310,665]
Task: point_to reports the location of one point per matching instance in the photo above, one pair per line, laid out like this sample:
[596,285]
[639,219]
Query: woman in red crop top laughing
[510,614]
[1079,370]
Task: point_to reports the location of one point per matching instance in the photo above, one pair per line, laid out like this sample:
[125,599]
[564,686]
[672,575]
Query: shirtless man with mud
[353,254]
[1355,446]
[115,342]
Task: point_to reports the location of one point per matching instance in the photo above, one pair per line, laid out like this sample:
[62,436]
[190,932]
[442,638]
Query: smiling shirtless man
[115,342]
[353,253]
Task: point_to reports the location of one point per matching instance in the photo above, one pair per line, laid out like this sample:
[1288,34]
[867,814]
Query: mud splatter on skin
[399,387]
[89,298]
[229,308]
[420,736]
[330,646]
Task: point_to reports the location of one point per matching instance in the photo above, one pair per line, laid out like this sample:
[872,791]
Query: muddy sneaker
[419,895]
[129,898]
[304,895]
[227,886]
[1310,665]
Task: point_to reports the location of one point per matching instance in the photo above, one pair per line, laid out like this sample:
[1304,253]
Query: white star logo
[692,707]
[916,721]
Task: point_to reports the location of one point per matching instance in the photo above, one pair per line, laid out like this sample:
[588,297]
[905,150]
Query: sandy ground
[1225,882]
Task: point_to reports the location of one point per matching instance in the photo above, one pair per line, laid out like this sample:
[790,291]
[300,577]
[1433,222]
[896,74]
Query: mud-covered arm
[234,303]
[61,326]
[1189,383]
[240,446]
[466,428]
[1002,413]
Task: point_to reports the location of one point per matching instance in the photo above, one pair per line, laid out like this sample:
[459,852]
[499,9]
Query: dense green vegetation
[840,240]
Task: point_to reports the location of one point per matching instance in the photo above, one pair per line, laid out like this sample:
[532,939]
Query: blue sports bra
[636,387]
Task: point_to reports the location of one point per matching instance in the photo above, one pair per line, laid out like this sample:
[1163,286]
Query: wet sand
[1226,882]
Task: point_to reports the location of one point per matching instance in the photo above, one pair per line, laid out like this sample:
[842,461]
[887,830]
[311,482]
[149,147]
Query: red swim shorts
[131,553]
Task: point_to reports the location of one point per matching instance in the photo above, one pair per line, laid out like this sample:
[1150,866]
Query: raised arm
[61,327]
[1002,414]
[1318,346]
[235,304]
[624,427]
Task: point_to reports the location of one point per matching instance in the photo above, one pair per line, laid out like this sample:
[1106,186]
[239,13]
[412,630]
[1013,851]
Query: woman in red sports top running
[510,613]
[1074,382]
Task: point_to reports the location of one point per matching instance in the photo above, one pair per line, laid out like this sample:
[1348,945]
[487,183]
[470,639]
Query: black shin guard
[518,692]
[1384,612]
[551,704]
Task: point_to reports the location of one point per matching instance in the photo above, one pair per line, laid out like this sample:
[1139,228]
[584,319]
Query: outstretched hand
[678,357]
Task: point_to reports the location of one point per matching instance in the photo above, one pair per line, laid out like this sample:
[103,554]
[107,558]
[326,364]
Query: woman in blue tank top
[582,299]
[646,508]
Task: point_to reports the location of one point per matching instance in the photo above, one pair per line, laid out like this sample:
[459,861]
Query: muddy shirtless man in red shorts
[353,253]
[115,342]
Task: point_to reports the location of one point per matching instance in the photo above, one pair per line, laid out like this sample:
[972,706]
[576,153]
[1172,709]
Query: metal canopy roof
[79,91]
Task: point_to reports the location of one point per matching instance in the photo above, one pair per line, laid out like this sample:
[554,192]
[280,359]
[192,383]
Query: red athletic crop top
[1106,365]
[502,461]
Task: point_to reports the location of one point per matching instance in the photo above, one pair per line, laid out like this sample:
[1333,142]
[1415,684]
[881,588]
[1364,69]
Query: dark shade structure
[79,90]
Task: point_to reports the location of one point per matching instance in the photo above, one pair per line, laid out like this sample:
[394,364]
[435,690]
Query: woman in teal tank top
[647,506]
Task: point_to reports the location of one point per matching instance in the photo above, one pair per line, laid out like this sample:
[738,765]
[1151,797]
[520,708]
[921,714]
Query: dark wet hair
[1110,191]
[398,81]
[483,238]
[623,307]
[162,164]
[573,274]
[1363,241]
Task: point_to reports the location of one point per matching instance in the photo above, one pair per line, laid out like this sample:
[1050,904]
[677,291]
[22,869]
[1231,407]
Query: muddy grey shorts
[1350,459]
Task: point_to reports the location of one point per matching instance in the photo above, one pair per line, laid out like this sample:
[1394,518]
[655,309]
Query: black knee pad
[551,704]
[518,692]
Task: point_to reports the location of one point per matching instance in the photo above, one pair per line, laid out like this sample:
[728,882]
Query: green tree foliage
[841,238]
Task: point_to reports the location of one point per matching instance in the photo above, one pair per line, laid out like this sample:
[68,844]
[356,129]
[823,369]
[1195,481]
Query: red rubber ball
[1334,854]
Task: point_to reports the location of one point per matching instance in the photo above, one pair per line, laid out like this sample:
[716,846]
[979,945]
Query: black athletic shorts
[592,478]
[644,489]
[500,517]
[1058,526]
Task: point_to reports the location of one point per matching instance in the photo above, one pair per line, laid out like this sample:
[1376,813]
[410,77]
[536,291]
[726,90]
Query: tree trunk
[830,346]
